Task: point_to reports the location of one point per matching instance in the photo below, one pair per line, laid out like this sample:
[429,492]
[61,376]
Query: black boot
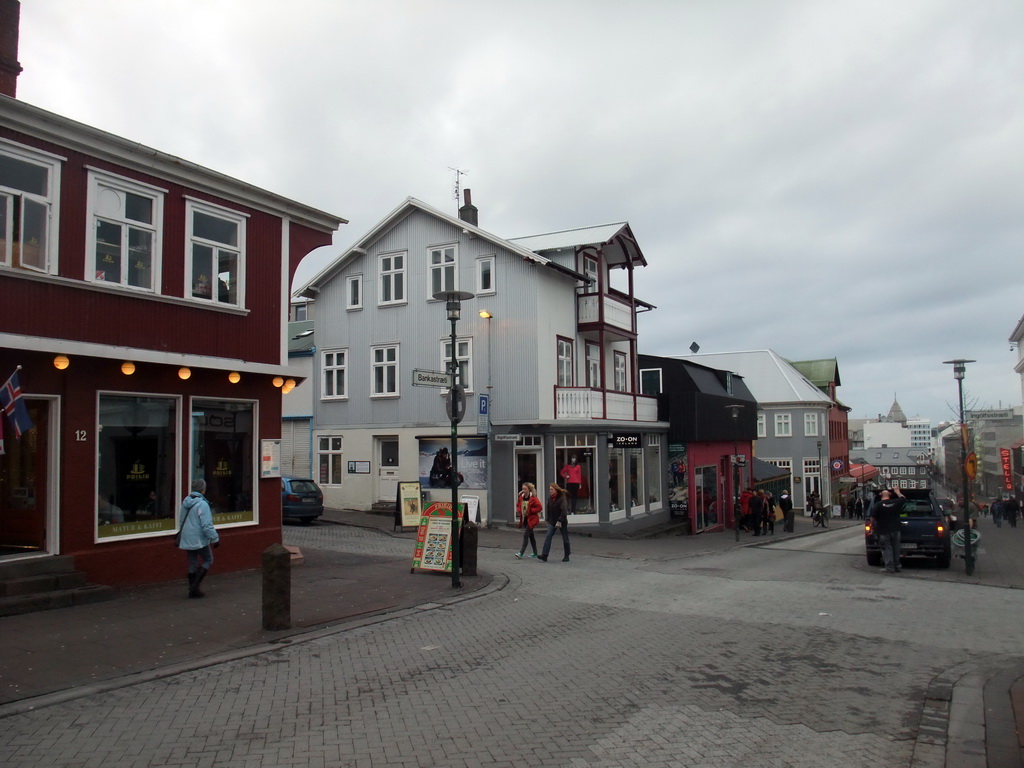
[191,583]
[197,580]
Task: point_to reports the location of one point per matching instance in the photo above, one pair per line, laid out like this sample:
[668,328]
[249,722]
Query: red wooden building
[143,303]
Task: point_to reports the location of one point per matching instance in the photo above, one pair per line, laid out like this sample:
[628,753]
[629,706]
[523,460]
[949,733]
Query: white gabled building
[556,356]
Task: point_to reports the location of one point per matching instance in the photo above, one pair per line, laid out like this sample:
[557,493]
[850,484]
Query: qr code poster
[434,538]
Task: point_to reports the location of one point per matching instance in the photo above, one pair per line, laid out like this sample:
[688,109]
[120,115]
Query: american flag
[14,405]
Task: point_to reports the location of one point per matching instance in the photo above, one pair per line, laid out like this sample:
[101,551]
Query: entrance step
[44,583]
[383,508]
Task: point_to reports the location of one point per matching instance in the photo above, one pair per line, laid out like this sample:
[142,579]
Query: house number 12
[80,435]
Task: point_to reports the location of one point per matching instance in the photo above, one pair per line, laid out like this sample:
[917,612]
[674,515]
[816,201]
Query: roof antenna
[458,179]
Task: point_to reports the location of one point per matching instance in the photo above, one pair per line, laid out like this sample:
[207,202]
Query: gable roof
[820,373]
[770,378]
[615,240]
[403,211]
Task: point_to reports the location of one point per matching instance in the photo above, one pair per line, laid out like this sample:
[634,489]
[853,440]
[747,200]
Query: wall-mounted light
[278,381]
[485,314]
[127,367]
[60,362]
[234,377]
[289,385]
[184,373]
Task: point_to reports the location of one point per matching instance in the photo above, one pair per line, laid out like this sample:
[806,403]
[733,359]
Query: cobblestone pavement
[752,657]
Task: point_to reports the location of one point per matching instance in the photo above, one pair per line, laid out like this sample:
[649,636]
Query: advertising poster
[436,462]
[434,538]
[409,504]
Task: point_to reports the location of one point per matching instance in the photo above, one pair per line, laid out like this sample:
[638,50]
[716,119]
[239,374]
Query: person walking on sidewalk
[530,508]
[556,516]
[197,536]
[885,522]
[756,505]
[1011,509]
[786,503]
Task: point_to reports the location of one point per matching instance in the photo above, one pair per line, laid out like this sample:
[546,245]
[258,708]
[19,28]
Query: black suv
[924,530]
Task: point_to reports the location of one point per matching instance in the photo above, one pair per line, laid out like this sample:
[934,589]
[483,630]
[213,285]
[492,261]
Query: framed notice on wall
[434,538]
[270,458]
[409,504]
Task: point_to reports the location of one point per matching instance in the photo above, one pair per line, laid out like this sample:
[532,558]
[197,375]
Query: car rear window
[915,508]
[304,486]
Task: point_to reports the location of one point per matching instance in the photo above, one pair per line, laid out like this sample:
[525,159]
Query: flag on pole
[14,405]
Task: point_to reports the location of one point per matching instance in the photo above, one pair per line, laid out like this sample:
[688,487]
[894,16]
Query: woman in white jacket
[198,535]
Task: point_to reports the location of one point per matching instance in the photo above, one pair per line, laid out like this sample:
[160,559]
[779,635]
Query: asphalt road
[634,654]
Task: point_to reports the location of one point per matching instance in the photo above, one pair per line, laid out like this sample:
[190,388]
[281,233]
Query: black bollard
[470,536]
[277,588]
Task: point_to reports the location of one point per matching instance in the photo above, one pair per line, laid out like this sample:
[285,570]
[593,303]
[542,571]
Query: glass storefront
[136,465]
[705,497]
[582,448]
[223,455]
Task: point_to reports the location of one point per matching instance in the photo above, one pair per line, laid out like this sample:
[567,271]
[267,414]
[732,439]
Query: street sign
[510,437]
[483,414]
[455,403]
[971,465]
[837,465]
[422,378]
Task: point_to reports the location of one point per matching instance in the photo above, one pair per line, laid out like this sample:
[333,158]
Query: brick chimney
[10,16]
[468,212]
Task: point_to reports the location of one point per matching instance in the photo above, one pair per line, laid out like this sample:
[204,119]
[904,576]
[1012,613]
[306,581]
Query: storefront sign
[1004,456]
[434,538]
[626,441]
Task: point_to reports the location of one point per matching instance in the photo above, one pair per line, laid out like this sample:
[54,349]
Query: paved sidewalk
[973,714]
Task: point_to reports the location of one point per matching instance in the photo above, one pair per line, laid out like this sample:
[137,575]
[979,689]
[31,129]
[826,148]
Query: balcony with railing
[581,403]
[610,311]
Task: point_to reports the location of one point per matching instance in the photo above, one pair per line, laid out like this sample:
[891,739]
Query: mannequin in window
[572,473]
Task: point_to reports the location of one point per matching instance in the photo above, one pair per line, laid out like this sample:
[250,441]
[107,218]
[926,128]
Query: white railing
[586,403]
[616,313]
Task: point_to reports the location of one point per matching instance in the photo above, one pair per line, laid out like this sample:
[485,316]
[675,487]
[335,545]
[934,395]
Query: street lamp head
[453,302]
[735,408]
[959,367]
[485,314]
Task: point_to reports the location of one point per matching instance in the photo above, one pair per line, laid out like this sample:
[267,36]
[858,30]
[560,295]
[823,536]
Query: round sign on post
[971,465]
[455,403]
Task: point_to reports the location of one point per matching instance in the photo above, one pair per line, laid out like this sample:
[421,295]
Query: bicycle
[818,517]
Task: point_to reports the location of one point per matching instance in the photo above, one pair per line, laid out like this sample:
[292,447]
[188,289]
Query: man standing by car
[885,522]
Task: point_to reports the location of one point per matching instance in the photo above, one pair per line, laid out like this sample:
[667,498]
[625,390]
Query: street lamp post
[959,370]
[456,409]
[821,473]
[490,406]
[735,468]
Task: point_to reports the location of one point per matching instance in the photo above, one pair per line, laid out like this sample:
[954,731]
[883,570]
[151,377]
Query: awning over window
[863,472]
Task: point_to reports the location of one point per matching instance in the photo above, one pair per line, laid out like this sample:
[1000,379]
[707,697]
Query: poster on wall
[409,504]
[436,462]
[678,487]
[434,538]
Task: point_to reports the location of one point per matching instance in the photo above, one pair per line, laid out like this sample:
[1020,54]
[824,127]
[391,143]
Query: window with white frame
[125,232]
[384,371]
[444,269]
[590,270]
[216,254]
[485,275]
[354,292]
[391,268]
[812,477]
[463,358]
[593,361]
[329,459]
[334,374]
[620,372]
[564,362]
[810,425]
[650,381]
[29,187]
[783,425]
[300,312]
[762,425]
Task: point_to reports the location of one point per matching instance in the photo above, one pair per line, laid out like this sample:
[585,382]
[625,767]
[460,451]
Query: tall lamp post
[959,370]
[490,405]
[456,410]
[735,468]
[821,475]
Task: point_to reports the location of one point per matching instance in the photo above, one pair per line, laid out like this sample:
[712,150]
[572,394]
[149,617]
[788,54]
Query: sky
[826,179]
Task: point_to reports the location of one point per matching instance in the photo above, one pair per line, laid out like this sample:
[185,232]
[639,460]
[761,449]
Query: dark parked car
[924,530]
[301,499]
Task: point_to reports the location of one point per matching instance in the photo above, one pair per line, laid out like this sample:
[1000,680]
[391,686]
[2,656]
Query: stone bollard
[277,588]
[470,536]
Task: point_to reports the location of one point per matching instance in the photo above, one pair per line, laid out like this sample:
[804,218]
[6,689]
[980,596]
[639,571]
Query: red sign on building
[1004,457]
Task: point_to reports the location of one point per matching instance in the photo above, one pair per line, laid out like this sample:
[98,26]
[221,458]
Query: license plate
[908,546]
[313,501]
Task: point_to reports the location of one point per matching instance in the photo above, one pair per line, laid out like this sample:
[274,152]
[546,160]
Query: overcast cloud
[827,179]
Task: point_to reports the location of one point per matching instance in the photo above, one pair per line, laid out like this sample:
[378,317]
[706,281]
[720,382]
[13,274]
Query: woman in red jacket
[529,507]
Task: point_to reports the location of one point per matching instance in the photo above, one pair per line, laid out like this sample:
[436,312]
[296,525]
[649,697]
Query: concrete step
[44,582]
[63,598]
[33,566]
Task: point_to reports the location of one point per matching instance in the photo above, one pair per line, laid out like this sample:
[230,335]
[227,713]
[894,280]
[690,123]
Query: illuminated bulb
[234,377]
[289,385]
[278,381]
[127,367]
[60,362]
[184,373]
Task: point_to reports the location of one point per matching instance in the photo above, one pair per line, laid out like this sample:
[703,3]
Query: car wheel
[307,520]
[943,560]
[874,558]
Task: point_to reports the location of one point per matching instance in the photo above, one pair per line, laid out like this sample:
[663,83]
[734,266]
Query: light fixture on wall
[60,362]
[127,367]
[485,314]
[289,385]
[234,377]
[278,381]
[184,373]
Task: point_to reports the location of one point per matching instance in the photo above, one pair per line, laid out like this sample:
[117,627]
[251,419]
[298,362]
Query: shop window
[223,455]
[137,446]
[582,448]
[652,462]
[707,512]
